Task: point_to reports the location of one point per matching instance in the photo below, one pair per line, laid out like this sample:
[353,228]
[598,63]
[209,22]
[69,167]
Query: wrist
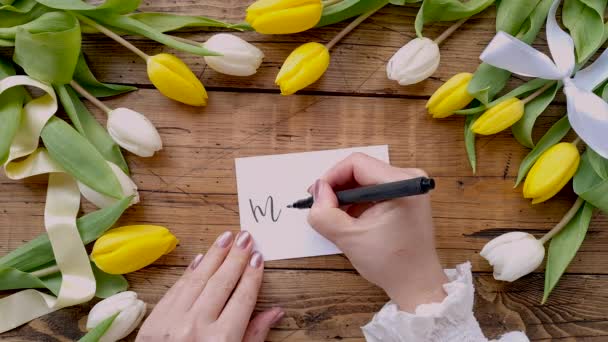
[422,286]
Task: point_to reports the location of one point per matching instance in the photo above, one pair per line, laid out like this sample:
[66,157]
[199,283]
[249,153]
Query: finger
[210,303]
[237,312]
[325,216]
[200,271]
[356,210]
[365,170]
[260,326]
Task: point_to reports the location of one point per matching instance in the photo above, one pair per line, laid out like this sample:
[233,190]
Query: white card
[267,184]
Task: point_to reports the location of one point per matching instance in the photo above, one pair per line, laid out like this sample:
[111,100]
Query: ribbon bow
[587,112]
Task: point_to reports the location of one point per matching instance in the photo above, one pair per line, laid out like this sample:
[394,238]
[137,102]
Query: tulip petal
[175,80]
[284,16]
[499,117]
[304,66]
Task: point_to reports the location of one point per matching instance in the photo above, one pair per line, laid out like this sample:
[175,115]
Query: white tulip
[239,58]
[414,62]
[513,255]
[102,201]
[131,311]
[133,132]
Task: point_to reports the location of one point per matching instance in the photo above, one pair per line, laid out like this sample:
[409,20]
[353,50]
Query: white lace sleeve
[450,320]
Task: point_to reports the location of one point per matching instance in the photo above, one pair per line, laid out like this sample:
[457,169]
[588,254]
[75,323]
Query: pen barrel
[386,191]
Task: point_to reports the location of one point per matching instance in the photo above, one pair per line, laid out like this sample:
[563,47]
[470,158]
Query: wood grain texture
[191,188]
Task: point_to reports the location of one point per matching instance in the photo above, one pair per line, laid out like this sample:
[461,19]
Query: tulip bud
[284,16]
[130,248]
[175,80]
[499,117]
[551,172]
[414,62]
[133,132]
[102,201]
[239,58]
[304,66]
[451,96]
[513,255]
[130,313]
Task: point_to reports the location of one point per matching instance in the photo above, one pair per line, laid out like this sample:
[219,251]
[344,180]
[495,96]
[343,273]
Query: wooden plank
[358,63]
[330,305]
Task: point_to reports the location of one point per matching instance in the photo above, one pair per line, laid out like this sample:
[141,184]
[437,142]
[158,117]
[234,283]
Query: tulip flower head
[513,255]
[133,132]
[102,201]
[499,117]
[239,58]
[175,80]
[451,96]
[551,172]
[284,16]
[130,248]
[130,311]
[304,66]
[414,62]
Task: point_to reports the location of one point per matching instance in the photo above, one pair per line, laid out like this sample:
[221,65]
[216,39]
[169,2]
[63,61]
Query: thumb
[260,326]
[325,216]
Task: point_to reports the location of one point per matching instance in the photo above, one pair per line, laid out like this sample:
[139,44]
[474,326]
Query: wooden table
[190,186]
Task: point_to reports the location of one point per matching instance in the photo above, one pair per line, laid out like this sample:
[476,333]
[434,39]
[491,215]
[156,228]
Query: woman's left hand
[214,299]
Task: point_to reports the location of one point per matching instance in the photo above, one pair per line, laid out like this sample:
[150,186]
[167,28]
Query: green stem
[564,221]
[449,31]
[90,97]
[538,92]
[46,271]
[352,26]
[576,141]
[327,3]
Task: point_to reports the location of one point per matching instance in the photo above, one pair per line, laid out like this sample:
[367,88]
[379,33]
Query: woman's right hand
[390,243]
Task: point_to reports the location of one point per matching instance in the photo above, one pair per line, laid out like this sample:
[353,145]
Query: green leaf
[50,56]
[469,141]
[489,80]
[132,26]
[114,6]
[13,279]
[522,129]
[12,18]
[88,127]
[511,14]
[79,158]
[347,9]
[96,333]
[403,2]
[447,10]
[6,43]
[563,247]
[39,252]
[165,22]
[18,6]
[52,21]
[108,284]
[554,135]
[11,104]
[523,89]
[598,163]
[584,19]
[87,80]
[589,185]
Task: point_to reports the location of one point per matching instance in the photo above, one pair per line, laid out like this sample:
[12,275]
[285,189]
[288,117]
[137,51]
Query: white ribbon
[587,112]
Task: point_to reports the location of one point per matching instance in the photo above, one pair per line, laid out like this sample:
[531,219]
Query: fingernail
[310,188]
[197,260]
[243,239]
[256,260]
[224,240]
[277,317]
[315,189]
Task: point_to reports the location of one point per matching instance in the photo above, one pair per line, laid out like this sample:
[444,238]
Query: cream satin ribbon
[587,112]
[62,203]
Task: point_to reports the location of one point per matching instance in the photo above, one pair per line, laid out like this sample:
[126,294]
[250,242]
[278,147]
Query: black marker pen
[376,193]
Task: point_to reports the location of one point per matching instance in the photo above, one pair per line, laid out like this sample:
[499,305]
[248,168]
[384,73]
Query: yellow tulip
[130,248]
[451,96]
[551,172]
[175,80]
[303,67]
[284,16]
[499,117]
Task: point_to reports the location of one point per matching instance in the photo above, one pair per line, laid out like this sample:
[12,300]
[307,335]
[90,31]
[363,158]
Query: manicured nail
[315,189]
[243,239]
[197,260]
[224,240]
[256,260]
[277,317]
